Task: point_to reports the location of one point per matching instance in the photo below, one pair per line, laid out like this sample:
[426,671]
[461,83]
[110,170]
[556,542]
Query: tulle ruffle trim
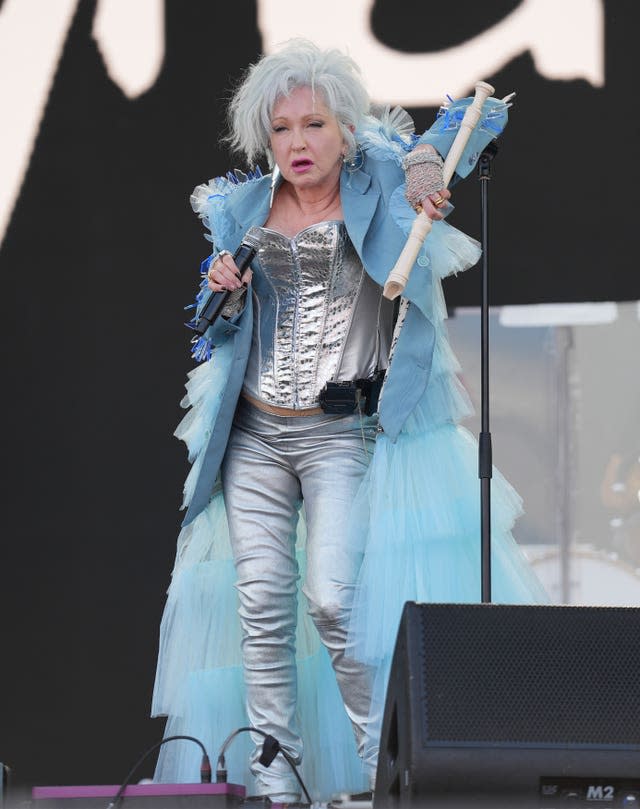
[420,503]
[446,250]
[205,387]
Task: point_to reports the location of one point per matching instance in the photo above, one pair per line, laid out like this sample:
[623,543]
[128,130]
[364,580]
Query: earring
[354,162]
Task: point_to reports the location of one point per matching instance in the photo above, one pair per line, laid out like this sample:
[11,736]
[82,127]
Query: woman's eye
[317,123]
[278,128]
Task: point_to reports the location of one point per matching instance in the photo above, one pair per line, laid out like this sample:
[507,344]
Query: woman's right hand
[223,274]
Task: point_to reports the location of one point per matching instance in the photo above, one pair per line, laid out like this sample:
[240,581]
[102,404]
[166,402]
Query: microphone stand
[485,463]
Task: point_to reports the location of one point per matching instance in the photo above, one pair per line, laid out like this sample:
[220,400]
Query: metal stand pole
[485,463]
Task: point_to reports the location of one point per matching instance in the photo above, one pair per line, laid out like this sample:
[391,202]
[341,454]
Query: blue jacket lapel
[359,203]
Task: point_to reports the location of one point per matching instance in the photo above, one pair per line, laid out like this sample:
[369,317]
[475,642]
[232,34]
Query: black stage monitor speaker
[514,706]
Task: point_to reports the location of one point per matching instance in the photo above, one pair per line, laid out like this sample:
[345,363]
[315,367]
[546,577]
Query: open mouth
[302,163]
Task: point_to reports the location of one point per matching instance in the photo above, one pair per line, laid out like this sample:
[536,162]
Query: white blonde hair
[299,63]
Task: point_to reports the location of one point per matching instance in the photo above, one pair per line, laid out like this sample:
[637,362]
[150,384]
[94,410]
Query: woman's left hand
[432,204]
[422,174]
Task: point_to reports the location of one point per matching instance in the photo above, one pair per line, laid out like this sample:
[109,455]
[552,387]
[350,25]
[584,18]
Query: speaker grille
[529,675]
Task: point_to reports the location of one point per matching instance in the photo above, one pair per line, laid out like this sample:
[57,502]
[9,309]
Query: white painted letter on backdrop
[129,35]
[32,36]
[546,28]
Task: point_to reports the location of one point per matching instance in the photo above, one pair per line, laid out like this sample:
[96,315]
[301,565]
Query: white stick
[399,275]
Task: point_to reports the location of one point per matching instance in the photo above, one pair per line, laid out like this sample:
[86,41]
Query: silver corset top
[317,315]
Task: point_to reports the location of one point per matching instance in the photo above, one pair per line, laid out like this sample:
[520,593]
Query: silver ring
[224,253]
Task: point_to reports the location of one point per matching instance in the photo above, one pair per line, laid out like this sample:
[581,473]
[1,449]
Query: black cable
[205,766]
[268,754]
[291,763]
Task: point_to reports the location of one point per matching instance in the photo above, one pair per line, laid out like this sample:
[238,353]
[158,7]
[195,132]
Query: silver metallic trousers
[270,464]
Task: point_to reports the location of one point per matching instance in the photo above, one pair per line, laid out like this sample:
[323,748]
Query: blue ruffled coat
[416,513]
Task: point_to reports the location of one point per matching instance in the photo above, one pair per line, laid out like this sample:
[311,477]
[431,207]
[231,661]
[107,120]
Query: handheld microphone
[216,300]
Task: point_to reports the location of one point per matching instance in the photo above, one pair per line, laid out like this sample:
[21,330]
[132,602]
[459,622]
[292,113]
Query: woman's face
[306,141]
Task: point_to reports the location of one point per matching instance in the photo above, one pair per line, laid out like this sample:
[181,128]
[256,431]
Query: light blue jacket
[378,240]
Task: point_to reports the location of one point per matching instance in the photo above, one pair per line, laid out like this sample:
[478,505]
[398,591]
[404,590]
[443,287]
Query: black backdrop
[100,256]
